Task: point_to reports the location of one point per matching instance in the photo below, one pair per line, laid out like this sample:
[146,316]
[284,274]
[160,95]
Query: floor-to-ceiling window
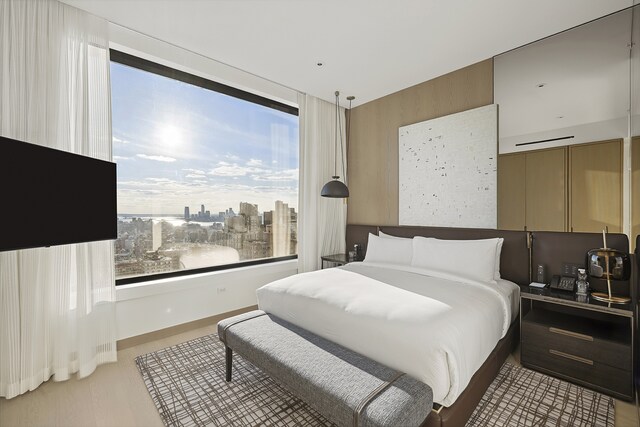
[207,173]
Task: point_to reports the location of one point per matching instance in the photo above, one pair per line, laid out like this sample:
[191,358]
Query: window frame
[172,73]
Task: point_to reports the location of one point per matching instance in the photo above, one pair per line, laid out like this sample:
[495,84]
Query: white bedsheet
[435,329]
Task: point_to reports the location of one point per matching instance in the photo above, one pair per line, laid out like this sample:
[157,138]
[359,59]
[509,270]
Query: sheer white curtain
[322,221]
[57,305]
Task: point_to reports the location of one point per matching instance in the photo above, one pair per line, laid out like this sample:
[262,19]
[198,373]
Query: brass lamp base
[601,296]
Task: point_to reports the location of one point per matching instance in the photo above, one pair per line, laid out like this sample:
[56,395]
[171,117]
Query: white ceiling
[370,48]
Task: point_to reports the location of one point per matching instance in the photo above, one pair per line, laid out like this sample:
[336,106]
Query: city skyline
[202,239]
[212,211]
[175,143]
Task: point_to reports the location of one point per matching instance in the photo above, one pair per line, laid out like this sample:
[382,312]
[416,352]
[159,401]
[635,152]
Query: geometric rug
[522,397]
[186,383]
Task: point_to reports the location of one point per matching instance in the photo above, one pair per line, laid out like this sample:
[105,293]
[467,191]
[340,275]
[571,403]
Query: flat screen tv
[52,197]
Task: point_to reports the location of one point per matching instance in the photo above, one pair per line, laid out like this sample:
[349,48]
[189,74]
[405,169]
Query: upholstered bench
[344,386]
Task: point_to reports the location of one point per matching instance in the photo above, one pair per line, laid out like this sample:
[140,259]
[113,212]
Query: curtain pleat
[57,305]
[322,221]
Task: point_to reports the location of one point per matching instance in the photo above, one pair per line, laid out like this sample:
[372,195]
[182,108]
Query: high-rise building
[156,235]
[268,218]
[202,209]
[248,209]
[186,213]
[281,229]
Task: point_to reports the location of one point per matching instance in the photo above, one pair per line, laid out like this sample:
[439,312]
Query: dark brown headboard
[552,249]
[514,261]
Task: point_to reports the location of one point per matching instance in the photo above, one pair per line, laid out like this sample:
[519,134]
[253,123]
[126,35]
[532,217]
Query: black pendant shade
[335,188]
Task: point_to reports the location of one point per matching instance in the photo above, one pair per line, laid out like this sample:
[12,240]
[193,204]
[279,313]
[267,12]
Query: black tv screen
[52,197]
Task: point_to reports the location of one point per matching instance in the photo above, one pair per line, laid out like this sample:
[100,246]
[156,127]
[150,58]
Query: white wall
[150,306]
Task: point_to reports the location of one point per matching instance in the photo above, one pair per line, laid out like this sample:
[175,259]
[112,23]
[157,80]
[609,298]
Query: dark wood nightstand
[335,259]
[579,339]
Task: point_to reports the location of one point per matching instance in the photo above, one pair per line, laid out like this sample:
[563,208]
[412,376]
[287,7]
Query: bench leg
[229,362]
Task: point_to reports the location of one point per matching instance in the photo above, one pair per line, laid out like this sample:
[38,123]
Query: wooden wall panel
[546,190]
[595,195]
[511,191]
[373,146]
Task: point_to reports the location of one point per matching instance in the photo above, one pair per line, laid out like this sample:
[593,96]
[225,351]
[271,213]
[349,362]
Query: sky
[180,145]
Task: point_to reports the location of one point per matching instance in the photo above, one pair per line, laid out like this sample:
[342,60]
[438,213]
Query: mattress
[435,327]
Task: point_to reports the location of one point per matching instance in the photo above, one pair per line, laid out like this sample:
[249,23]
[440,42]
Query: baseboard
[178,329]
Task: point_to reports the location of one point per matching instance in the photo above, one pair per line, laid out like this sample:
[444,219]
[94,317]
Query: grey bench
[344,386]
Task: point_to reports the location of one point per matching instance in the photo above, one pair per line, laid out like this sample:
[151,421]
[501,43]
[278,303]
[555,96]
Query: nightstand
[579,339]
[335,259]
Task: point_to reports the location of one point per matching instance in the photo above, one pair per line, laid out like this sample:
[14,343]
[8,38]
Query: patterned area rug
[187,385]
[522,397]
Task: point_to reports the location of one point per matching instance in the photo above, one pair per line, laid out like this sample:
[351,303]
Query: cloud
[157,158]
[225,169]
[283,175]
[193,175]
[160,179]
[116,158]
[195,171]
[231,157]
[119,140]
[254,162]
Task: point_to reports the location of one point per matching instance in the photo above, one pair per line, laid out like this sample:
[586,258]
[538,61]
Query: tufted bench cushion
[346,387]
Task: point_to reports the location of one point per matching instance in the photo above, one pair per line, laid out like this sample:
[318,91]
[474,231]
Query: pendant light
[336,188]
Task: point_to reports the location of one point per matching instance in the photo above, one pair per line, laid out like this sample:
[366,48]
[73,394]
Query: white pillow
[392,251]
[496,275]
[389,236]
[471,259]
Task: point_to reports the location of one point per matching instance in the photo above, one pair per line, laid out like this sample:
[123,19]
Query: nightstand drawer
[581,344]
[564,364]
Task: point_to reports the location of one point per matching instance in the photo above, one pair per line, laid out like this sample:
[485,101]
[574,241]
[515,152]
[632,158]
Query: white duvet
[434,327]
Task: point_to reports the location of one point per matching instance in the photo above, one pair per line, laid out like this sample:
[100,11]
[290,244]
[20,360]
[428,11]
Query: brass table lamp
[610,264]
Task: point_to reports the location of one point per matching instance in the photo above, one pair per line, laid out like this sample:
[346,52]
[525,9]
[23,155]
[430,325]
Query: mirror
[569,106]
[573,85]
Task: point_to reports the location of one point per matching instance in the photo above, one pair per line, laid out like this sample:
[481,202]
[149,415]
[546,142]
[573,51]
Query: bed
[438,330]
[449,328]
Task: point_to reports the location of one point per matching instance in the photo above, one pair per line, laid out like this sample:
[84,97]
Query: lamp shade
[335,188]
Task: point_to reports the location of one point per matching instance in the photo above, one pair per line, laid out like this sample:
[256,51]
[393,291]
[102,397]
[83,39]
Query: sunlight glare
[169,135]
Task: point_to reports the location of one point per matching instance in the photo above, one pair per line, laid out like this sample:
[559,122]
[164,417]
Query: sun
[170,135]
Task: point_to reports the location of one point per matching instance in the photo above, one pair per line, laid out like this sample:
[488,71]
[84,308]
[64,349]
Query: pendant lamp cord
[348,138]
[335,159]
[339,125]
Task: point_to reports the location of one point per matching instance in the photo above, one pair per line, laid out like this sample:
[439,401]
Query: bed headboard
[514,261]
[552,249]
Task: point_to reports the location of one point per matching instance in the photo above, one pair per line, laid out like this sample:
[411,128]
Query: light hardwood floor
[115,395]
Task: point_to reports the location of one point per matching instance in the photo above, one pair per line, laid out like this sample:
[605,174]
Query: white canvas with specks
[448,170]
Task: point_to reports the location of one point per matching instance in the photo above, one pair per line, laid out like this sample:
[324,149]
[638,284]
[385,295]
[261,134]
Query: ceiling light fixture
[336,188]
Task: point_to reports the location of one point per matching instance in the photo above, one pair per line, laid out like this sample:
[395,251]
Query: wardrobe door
[511,191]
[596,186]
[546,190]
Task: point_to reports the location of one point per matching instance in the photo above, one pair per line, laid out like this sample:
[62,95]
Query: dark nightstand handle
[571,357]
[571,334]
